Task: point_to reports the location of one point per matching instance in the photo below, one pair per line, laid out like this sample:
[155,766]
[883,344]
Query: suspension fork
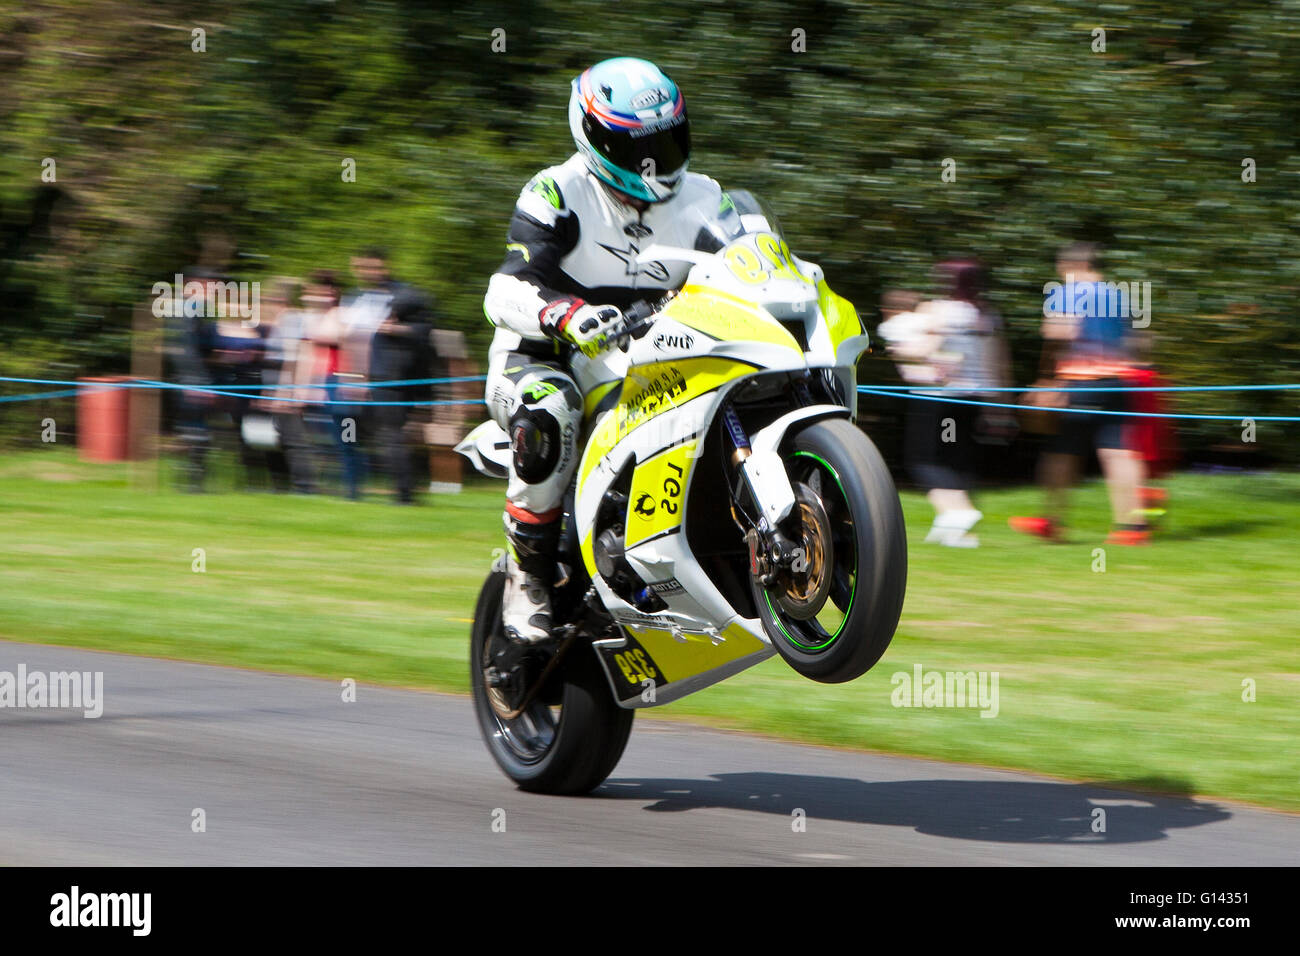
[763,474]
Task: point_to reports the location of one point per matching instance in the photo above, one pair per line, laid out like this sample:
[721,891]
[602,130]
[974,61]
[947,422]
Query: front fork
[763,475]
[758,468]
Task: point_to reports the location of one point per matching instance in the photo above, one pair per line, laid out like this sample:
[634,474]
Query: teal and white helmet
[629,122]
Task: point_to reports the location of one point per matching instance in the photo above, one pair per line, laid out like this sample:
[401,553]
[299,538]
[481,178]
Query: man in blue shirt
[1085,322]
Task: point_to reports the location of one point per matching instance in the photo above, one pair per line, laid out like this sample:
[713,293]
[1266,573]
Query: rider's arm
[542,232]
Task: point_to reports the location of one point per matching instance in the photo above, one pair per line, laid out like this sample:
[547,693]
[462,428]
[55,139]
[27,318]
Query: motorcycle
[725,508]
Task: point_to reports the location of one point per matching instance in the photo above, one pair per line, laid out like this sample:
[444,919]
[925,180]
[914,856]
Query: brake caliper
[769,554]
[759,566]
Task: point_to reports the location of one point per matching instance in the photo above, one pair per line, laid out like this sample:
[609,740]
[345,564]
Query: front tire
[571,736]
[834,617]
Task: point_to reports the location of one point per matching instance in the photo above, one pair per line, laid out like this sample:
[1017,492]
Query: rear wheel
[570,736]
[832,612]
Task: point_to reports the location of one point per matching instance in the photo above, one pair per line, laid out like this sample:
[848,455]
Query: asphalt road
[285,772]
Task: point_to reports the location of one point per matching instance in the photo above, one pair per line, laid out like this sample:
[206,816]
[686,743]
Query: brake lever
[637,320]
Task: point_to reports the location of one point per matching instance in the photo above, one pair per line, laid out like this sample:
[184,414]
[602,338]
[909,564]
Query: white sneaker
[961,539]
[526,606]
[952,529]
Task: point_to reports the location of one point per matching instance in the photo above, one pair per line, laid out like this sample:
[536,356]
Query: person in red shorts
[1086,322]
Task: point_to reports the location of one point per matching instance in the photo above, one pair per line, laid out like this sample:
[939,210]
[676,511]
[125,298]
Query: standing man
[1087,331]
[360,315]
[205,358]
[400,351]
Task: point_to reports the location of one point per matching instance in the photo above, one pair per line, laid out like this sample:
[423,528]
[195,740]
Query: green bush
[161,150]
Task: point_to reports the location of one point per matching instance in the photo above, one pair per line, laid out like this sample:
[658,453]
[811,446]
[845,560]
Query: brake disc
[804,583]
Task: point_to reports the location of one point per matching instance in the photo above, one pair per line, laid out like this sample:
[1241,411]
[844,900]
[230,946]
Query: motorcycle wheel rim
[821,631]
[530,736]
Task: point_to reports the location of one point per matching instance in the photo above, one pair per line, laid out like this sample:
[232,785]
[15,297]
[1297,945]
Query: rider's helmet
[629,123]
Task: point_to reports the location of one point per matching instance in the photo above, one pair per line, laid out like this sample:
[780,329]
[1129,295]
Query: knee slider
[535,441]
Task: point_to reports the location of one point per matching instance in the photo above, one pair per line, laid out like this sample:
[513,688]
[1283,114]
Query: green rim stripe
[848,610]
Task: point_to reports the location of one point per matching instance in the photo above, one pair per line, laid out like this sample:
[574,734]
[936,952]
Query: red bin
[103,419]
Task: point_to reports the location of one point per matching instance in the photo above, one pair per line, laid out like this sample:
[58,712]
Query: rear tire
[867,558]
[571,751]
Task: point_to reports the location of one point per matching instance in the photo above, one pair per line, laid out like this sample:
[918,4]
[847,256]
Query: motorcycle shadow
[994,811]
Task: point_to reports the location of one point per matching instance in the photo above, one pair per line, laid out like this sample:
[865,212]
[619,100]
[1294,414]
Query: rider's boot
[530,572]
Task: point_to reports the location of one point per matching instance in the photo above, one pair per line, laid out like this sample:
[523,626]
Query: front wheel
[832,612]
[569,736]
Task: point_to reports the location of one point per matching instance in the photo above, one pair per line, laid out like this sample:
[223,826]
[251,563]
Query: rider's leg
[541,409]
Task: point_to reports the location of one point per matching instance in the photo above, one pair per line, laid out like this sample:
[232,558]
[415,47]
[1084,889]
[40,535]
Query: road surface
[286,773]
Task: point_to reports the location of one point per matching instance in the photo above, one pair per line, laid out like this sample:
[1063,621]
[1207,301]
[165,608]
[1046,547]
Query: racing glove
[583,325]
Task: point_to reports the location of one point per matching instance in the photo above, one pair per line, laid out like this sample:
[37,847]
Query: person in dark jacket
[205,359]
[400,351]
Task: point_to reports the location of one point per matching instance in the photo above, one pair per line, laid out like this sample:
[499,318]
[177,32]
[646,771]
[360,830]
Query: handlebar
[638,313]
[638,317]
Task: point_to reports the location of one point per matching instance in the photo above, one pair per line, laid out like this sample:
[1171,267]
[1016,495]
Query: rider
[570,270]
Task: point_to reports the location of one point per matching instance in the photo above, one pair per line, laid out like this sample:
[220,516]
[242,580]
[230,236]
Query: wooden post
[448,421]
[145,404]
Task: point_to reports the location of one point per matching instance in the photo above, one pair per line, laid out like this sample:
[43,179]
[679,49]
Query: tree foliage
[162,152]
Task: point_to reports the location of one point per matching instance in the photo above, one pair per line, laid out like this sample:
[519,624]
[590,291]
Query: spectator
[1086,341]
[188,338]
[1151,436]
[236,359]
[954,341]
[363,311]
[400,351]
[205,356]
[359,316]
[283,325]
[320,364]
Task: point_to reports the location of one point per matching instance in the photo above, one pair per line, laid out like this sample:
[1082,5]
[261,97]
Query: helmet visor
[657,153]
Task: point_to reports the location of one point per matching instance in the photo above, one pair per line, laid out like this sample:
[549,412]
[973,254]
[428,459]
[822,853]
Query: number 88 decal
[750,267]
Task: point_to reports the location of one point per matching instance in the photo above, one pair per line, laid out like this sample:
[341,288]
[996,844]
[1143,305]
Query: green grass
[1133,675]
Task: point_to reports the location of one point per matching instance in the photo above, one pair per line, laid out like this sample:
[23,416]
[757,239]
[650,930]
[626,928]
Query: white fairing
[698,616]
[697,609]
[488,448]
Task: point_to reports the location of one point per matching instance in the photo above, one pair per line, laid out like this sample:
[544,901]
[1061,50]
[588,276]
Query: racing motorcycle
[725,508]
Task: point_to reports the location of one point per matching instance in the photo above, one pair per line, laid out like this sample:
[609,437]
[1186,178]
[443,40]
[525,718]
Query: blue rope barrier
[108,386]
[151,383]
[400,383]
[1083,388]
[344,401]
[889,391]
[66,393]
[866,390]
[238,391]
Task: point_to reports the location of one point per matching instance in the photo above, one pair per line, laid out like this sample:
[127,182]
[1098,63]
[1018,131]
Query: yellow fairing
[601,442]
[589,554]
[678,660]
[658,495]
[727,318]
[597,395]
[650,390]
[841,318]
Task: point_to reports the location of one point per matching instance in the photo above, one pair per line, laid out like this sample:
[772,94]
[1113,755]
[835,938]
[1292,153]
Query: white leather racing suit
[570,240]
